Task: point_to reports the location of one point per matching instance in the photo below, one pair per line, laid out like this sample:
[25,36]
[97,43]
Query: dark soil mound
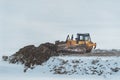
[30,55]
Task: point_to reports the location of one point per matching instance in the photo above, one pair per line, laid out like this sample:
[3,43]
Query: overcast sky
[25,22]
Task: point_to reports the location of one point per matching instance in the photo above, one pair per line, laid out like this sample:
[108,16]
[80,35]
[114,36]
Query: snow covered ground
[66,67]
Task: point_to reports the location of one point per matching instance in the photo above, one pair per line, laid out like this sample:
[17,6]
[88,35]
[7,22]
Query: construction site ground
[30,56]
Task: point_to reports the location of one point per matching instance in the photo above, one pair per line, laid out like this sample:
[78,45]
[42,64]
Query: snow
[77,68]
[85,65]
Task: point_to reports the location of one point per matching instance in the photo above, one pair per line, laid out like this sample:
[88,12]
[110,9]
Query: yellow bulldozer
[81,44]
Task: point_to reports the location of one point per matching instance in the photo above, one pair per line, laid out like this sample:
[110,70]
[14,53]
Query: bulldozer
[81,44]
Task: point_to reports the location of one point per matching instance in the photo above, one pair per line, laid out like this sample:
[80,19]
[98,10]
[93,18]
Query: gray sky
[25,22]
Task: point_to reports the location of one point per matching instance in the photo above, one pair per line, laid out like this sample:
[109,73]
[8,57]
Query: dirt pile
[30,55]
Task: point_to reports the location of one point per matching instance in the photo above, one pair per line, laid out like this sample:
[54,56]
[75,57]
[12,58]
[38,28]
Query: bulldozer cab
[83,37]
